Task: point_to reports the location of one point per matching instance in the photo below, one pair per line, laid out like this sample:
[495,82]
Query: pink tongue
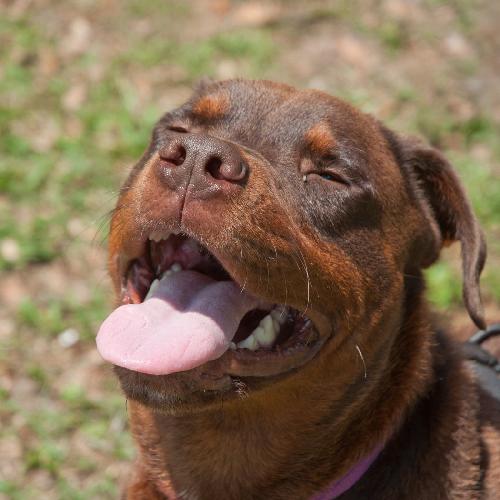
[190,319]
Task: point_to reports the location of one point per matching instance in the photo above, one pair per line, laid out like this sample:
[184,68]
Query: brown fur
[212,107]
[352,258]
[320,139]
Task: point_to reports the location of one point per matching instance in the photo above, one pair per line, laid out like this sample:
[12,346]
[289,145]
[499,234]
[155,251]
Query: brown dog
[284,349]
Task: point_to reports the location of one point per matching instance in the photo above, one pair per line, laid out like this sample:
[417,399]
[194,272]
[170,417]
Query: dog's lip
[241,362]
[134,249]
[266,366]
[261,363]
[244,363]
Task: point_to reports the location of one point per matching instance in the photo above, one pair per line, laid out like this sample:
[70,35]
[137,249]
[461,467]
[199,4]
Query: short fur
[347,248]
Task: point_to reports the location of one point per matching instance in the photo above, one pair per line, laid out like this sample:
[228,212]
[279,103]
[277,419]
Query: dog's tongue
[188,320]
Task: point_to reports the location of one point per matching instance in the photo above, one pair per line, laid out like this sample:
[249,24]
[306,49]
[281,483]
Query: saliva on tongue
[188,320]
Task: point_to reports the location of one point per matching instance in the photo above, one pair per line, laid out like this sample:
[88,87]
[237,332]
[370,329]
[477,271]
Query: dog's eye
[327,176]
[333,177]
[181,130]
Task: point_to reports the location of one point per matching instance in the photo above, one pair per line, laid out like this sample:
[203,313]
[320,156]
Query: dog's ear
[442,198]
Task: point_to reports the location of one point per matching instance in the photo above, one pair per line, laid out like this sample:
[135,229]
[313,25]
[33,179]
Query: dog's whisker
[308,280]
[363,360]
[268,274]
[244,285]
[275,250]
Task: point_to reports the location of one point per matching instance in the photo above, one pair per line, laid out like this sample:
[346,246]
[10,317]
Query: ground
[81,84]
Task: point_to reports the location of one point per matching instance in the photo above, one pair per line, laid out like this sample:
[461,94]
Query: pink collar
[349,479]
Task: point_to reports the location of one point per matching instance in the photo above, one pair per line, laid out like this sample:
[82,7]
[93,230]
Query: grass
[63,158]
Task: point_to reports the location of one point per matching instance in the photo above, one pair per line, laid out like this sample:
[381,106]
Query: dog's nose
[202,164]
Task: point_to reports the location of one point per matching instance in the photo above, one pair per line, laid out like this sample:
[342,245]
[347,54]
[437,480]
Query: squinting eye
[332,177]
[327,176]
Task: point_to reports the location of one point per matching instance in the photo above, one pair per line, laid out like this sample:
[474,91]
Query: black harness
[486,366]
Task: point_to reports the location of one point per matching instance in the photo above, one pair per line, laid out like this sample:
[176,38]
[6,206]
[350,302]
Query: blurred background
[81,84]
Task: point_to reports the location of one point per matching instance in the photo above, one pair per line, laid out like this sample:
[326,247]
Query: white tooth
[158,236]
[175,268]
[276,325]
[249,343]
[265,333]
[152,289]
[168,272]
[262,336]
[267,323]
[279,315]
[232,346]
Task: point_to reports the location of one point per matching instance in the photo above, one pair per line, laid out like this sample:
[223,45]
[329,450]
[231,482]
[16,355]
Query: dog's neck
[253,443]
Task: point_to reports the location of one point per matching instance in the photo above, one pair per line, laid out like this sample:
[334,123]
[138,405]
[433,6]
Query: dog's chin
[200,389]
[177,393]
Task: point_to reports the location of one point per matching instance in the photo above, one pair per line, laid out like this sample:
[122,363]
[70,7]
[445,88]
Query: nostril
[233,171]
[213,167]
[175,154]
[225,170]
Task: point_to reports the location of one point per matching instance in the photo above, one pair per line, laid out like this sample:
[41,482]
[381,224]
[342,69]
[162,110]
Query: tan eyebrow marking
[320,139]
[212,106]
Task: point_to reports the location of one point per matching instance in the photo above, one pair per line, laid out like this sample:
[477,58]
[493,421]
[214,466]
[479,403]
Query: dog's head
[282,225]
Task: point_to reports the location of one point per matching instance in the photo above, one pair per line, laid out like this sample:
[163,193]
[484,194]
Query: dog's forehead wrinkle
[259,117]
[278,131]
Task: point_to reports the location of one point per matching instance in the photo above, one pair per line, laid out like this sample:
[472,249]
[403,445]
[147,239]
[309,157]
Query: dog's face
[297,223]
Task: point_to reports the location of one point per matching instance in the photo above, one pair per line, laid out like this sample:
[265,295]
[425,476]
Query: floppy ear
[443,198]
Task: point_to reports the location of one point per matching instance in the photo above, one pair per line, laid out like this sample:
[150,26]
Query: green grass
[444,285]
[52,315]
[251,49]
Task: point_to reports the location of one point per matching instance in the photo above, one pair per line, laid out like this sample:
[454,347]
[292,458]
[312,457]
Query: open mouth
[181,309]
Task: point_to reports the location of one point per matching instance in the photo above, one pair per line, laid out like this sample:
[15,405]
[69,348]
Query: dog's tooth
[152,288]
[277,325]
[175,267]
[262,336]
[158,236]
[267,323]
[265,333]
[279,314]
[259,333]
[232,346]
[168,272]
[275,314]
[249,343]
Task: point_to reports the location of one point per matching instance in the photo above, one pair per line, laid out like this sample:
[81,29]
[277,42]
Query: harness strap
[486,366]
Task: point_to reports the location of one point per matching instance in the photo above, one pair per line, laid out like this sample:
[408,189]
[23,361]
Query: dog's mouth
[182,310]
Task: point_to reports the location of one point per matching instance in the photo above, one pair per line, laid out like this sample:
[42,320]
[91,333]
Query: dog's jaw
[270,341]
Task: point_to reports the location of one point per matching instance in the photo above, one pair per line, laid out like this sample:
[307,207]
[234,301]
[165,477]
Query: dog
[272,337]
